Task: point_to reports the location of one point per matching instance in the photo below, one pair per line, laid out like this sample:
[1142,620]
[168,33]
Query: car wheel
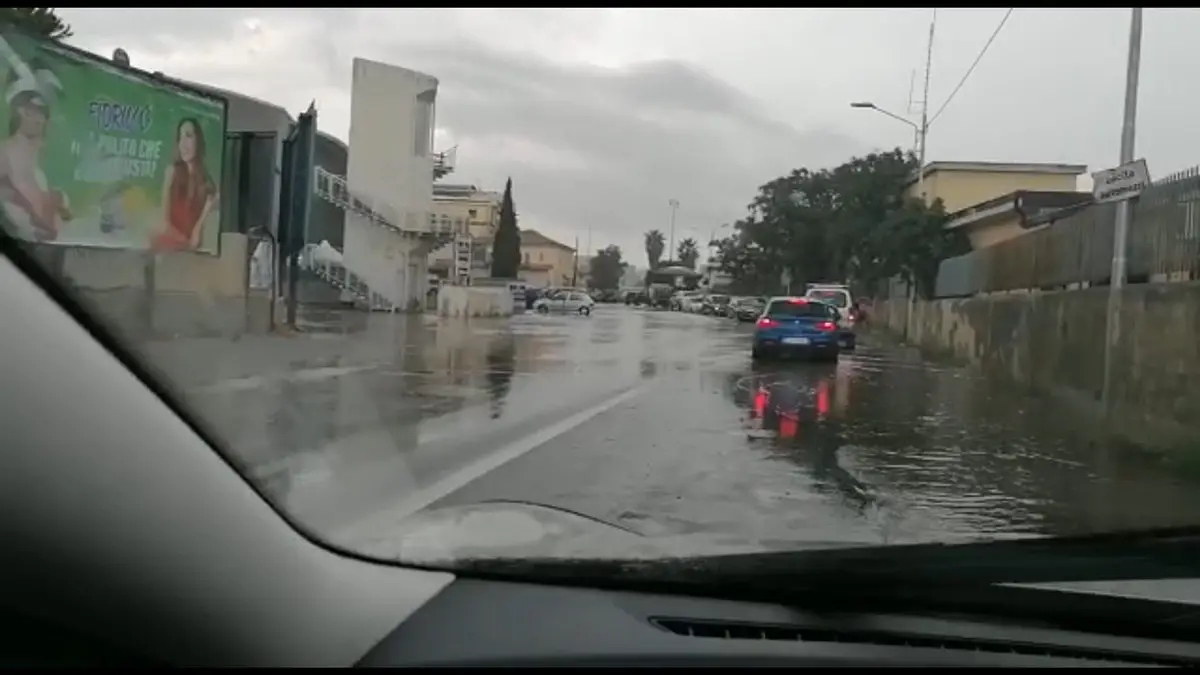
[543,309]
[585,310]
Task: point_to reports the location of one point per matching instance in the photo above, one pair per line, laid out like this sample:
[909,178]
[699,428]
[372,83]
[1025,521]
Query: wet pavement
[658,421]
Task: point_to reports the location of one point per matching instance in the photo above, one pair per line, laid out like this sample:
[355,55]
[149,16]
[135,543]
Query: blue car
[797,327]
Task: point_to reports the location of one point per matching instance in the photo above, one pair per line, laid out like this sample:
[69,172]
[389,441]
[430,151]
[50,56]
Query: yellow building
[461,209]
[465,209]
[544,261]
[994,201]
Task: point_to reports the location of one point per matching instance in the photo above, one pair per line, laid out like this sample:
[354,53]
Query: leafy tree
[41,21]
[506,251]
[656,243]
[849,223]
[687,253]
[606,269]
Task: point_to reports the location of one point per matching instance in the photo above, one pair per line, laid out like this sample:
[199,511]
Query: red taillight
[798,301]
[827,326]
[766,322]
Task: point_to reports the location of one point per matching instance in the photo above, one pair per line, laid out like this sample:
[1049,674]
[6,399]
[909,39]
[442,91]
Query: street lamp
[919,131]
[674,204]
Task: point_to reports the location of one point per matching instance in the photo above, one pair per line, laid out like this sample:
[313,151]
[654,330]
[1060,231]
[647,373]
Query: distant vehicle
[565,302]
[849,313]
[748,309]
[797,326]
[715,305]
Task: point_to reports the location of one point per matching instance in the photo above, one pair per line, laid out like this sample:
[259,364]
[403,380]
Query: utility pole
[1124,207]
[923,131]
[575,265]
[674,204]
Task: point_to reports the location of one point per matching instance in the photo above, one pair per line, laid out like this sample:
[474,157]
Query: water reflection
[501,362]
[935,449]
[798,411]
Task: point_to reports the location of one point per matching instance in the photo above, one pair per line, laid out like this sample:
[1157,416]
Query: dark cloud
[629,139]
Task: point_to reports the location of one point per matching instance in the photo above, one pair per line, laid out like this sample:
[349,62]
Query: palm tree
[40,21]
[687,253]
[655,244]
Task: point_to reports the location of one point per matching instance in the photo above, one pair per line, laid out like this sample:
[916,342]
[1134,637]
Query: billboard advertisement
[95,155]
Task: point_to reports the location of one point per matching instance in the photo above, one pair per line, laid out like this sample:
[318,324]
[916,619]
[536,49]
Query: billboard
[96,155]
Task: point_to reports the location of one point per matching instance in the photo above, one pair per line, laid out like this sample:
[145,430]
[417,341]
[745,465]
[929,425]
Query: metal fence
[1164,244]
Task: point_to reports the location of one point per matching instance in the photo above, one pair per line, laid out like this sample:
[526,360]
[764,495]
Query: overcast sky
[601,116]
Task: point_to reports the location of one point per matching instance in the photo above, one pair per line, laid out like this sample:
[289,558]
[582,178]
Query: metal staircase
[334,190]
[336,275]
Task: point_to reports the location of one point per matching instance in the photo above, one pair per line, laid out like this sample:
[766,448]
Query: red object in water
[827,326]
[789,426]
[766,322]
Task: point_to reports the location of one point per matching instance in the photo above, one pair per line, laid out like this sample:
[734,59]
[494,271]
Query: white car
[573,302]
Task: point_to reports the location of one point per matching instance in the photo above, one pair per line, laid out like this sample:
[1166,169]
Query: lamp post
[674,204]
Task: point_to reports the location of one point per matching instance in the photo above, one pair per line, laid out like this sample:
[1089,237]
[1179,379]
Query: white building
[390,172]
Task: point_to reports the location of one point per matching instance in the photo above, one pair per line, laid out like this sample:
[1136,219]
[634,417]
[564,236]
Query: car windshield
[836,298]
[799,309]
[344,306]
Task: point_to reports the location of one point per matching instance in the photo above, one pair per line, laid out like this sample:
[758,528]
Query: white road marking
[375,524]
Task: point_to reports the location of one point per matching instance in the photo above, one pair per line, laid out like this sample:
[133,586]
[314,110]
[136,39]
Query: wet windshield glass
[836,298]
[794,309]
[510,278]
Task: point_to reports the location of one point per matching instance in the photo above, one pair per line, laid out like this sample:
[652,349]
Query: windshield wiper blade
[1158,554]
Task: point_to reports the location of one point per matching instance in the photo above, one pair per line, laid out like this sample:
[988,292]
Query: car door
[572,302]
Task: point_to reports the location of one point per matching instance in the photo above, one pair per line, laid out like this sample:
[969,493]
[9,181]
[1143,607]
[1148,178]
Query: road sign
[1124,182]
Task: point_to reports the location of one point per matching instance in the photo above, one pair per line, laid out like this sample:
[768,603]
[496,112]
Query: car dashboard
[491,623]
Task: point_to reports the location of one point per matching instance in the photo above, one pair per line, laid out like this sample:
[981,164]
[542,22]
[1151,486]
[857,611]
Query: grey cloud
[660,130]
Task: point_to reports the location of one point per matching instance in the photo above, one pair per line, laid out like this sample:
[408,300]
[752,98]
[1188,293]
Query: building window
[526,258]
[539,256]
[423,125]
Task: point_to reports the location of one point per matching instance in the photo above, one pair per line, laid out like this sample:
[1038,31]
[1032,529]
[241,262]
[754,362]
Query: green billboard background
[108,147]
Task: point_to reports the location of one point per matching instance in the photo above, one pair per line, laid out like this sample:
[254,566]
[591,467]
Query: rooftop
[535,238]
[1004,167]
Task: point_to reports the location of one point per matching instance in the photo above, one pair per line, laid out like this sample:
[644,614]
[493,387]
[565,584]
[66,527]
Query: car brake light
[798,301]
[827,326]
[766,322]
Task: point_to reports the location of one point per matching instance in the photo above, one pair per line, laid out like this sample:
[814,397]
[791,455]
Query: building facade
[992,201]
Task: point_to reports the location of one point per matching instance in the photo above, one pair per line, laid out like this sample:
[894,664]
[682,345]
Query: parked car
[715,305]
[748,309]
[793,326]
[691,302]
[565,302]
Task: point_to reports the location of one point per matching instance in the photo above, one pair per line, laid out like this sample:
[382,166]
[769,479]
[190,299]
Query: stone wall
[1054,342]
[147,296]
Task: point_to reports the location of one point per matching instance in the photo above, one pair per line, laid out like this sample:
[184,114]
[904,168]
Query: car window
[800,308]
[833,297]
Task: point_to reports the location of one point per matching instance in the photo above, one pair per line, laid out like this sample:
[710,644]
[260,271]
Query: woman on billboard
[189,193]
[35,210]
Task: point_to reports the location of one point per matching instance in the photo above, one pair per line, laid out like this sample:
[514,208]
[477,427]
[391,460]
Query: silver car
[571,302]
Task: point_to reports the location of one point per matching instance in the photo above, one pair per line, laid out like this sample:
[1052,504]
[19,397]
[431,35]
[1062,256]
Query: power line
[970,70]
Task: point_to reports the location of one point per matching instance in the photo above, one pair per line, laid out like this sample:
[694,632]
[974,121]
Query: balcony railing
[444,162]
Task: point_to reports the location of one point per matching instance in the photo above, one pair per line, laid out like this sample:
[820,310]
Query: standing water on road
[661,422]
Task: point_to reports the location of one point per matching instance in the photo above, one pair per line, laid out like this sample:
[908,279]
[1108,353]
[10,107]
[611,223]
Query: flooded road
[660,422]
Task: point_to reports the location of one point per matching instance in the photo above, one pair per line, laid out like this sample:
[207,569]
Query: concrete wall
[391,140]
[144,296]
[1054,342]
[474,302]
